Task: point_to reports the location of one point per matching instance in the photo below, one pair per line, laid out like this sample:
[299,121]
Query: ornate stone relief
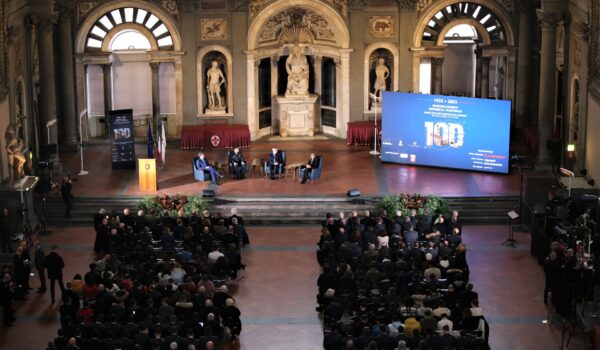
[83,8]
[594,55]
[213,28]
[422,4]
[188,5]
[3,52]
[256,6]
[576,53]
[170,6]
[357,4]
[381,26]
[407,4]
[238,5]
[296,25]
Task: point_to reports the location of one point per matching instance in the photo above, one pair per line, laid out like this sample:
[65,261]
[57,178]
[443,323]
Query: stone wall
[592,144]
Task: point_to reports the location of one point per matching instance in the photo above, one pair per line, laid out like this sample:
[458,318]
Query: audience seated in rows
[398,283]
[159,283]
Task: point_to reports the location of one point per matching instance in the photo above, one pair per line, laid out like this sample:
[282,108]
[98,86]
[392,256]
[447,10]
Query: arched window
[129,40]
[464,11]
[111,21]
[462,33]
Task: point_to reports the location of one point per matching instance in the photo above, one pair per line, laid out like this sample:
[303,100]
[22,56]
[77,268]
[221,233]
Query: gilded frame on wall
[213,28]
[381,26]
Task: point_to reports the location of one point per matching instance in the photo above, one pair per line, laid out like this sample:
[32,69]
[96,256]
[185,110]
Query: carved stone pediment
[83,8]
[296,25]
[255,6]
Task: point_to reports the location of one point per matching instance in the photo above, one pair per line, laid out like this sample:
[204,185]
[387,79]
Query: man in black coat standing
[6,296]
[54,263]
[40,257]
[67,196]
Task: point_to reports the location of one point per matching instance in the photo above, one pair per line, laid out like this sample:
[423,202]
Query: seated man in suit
[275,159]
[201,163]
[237,163]
[313,162]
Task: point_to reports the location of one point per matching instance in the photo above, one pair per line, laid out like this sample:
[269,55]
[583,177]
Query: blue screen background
[485,126]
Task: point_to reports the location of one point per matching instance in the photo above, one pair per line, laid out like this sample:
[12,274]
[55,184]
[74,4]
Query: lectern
[147,174]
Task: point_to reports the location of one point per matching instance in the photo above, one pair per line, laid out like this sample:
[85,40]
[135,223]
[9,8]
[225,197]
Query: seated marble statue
[297,68]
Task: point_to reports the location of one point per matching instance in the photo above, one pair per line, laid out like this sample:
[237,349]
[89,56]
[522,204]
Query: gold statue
[14,150]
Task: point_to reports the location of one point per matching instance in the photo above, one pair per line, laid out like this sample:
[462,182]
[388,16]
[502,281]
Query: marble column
[438,64]
[318,68]
[485,77]
[68,117]
[478,59]
[343,108]
[251,87]
[155,118]
[274,85]
[523,98]
[547,103]
[47,99]
[106,70]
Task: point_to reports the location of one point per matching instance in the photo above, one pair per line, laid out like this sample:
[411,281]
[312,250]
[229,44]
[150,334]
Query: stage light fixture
[208,193]
[353,193]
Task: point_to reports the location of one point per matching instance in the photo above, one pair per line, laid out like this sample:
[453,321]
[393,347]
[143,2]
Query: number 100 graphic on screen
[444,134]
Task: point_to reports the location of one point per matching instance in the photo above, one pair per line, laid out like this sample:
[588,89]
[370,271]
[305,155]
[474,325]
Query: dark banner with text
[122,143]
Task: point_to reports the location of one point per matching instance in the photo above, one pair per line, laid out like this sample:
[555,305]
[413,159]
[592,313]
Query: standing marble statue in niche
[382,72]
[14,151]
[297,68]
[215,78]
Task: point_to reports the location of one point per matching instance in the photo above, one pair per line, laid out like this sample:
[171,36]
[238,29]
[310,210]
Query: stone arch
[393,49]
[94,15]
[494,7]
[336,22]
[483,34]
[202,52]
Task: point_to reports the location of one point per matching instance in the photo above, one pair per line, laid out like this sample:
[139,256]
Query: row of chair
[204,175]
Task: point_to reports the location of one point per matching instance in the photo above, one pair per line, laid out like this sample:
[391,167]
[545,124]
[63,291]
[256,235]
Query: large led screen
[444,131]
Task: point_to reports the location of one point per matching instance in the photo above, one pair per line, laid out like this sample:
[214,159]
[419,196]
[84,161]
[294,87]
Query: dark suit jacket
[200,163]
[314,162]
[40,257]
[277,157]
[54,263]
[236,158]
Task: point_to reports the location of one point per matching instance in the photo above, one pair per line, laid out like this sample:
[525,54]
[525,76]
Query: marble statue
[382,72]
[296,66]
[215,78]
[14,150]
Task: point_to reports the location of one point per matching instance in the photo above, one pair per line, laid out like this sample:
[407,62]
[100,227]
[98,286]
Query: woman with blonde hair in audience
[77,284]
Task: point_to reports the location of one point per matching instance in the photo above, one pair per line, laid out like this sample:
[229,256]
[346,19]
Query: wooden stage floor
[345,167]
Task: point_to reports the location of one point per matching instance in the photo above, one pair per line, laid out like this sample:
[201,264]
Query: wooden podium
[147,174]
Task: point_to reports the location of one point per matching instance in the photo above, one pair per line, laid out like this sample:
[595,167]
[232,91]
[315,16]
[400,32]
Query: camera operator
[5,232]
[67,196]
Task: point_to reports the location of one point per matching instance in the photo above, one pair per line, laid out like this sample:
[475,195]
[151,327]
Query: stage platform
[345,167]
